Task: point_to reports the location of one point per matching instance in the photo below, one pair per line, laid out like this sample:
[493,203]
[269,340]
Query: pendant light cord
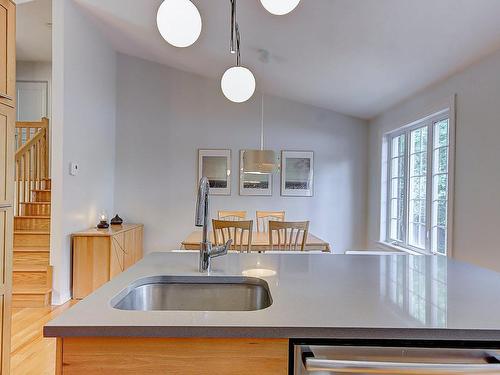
[233,24]
[262,122]
[235,34]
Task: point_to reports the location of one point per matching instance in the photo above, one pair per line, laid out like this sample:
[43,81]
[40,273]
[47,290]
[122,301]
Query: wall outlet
[73,168]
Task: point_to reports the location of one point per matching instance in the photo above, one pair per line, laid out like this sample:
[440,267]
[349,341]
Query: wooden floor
[31,352]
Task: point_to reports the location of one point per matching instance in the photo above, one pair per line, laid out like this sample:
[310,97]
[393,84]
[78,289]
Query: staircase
[32,273]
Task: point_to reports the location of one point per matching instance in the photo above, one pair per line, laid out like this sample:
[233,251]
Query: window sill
[391,246]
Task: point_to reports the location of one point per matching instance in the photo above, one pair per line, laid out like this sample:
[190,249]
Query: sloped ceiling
[358,57]
[34,33]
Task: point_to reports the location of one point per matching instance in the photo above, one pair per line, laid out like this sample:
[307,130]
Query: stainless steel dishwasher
[384,360]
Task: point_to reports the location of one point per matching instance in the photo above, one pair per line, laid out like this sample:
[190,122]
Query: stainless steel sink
[195,293]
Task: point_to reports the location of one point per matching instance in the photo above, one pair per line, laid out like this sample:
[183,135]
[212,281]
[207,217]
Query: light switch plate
[73,168]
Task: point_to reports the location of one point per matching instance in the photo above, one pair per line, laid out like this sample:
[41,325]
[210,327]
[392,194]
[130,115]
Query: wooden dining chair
[232,215]
[288,235]
[238,231]
[264,217]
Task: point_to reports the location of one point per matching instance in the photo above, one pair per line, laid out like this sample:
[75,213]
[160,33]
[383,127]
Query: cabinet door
[138,244]
[129,256]
[117,256]
[91,262]
[7,52]
[7,125]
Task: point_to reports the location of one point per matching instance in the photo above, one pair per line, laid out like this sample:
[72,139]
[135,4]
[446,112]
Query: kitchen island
[315,298]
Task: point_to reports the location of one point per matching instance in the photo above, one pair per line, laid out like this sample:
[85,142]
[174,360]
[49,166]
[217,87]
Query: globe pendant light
[179,22]
[238,82]
[279,7]
[260,161]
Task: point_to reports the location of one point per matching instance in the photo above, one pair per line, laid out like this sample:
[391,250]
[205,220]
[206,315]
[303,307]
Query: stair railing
[32,160]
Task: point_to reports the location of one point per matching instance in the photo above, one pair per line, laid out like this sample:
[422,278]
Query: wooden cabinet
[7,52]
[101,254]
[186,356]
[7,126]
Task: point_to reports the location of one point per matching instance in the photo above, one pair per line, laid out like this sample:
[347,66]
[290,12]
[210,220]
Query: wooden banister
[25,148]
[39,124]
[32,160]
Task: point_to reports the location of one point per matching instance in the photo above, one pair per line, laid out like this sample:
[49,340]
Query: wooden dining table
[260,242]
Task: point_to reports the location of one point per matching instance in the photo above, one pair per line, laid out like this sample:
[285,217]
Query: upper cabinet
[7,53]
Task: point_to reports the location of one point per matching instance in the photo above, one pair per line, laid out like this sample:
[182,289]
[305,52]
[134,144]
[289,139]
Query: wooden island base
[196,356]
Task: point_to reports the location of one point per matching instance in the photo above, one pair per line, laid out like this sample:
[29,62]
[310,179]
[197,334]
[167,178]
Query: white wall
[36,71]
[477,171]
[83,131]
[164,115]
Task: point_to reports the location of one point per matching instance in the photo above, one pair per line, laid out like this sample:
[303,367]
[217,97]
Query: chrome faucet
[207,251]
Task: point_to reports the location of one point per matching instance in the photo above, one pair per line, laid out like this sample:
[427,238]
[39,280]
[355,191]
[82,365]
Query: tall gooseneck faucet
[207,251]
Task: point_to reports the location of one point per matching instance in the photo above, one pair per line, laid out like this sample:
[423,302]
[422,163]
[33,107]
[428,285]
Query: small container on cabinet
[101,254]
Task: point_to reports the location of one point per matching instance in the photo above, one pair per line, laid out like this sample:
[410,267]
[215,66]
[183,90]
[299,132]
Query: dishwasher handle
[312,364]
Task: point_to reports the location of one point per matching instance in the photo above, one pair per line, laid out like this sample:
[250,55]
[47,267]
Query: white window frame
[428,121]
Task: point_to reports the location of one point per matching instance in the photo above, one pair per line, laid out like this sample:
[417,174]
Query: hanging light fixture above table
[260,161]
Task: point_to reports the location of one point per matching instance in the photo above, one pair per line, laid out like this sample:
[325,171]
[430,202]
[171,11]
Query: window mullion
[407,186]
[388,216]
[429,192]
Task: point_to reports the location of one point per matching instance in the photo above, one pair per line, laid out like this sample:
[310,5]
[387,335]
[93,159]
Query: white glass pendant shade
[238,84]
[259,161]
[179,22]
[279,7]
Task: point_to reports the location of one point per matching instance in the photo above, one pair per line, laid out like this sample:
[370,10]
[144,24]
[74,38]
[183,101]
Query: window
[418,185]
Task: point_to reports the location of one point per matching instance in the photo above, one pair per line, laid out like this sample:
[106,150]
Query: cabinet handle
[375,367]
[5,206]
[2,95]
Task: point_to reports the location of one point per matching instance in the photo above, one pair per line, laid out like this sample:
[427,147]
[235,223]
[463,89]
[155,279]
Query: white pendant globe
[279,7]
[238,84]
[179,22]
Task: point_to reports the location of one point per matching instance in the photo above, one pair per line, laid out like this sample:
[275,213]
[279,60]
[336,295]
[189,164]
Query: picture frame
[252,184]
[297,173]
[215,164]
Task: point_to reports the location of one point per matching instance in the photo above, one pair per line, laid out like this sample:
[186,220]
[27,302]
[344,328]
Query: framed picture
[254,183]
[216,166]
[297,172]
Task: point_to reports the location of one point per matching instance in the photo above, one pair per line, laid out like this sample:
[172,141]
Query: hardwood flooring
[31,353]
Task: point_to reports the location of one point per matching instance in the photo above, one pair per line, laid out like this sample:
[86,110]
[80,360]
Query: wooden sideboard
[101,254]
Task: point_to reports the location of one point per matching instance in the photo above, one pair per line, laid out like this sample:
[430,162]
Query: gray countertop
[314,296]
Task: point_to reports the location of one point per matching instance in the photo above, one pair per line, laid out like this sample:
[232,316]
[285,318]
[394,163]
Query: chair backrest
[288,235]
[232,215]
[264,217]
[238,231]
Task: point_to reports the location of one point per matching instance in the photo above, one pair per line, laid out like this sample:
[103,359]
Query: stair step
[31,275]
[27,238]
[31,231]
[47,183]
[32,223]
[41,195]
[26,258]
[31,249]
[29,268]
[31,296]
[32,290]
[35,208]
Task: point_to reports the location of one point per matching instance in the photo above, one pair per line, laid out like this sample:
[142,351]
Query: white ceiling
[357,57]
[34,35]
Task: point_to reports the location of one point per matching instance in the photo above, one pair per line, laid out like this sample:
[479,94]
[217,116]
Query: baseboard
[60,298]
